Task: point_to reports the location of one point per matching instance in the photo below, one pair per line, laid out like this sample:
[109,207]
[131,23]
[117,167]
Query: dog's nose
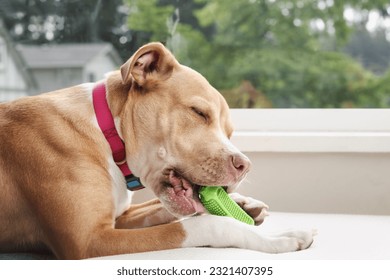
[240,164]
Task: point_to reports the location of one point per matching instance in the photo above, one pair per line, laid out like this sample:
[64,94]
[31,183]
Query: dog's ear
[150,63]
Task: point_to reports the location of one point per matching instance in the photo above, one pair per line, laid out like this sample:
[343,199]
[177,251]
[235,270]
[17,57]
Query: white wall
[322,161]
[56,78]
[99,67]
[353,183]
[12,84]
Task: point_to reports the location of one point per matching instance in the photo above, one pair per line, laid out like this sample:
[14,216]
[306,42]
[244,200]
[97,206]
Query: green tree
[285,52]
[149,18]
[380,88]
[372,49]
[259,53]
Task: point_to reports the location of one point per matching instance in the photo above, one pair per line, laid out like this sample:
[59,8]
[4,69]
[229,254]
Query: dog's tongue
[182,196]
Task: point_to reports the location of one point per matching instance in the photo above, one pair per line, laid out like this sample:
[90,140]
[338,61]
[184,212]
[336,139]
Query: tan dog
[61,190]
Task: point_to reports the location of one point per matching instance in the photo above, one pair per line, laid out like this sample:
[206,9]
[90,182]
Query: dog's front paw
[255,208]
[293,241]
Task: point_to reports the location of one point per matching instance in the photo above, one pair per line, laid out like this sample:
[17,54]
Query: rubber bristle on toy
[217,202]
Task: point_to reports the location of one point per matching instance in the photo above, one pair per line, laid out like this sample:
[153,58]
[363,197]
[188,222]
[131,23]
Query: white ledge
[312,130]
[342,142]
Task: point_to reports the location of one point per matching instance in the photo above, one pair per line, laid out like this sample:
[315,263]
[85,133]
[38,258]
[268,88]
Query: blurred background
[258,53]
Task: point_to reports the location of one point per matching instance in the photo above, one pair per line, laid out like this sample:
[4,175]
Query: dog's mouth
[181,196]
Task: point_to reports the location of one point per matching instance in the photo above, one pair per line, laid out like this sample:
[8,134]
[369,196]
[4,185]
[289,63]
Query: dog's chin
[180,196]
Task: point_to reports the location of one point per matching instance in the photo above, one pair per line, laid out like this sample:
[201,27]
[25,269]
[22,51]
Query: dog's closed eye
[200,113]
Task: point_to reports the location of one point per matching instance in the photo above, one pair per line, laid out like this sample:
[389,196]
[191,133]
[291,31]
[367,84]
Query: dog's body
[61,190]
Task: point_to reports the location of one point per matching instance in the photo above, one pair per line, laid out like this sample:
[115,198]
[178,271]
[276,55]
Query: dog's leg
[102,239]
[88,230]
[255,208]
[219,231]
[146,214]
[206,230]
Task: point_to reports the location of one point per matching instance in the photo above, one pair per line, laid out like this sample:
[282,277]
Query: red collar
[107,126]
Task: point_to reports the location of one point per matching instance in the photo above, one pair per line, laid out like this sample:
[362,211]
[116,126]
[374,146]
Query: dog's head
[177,128]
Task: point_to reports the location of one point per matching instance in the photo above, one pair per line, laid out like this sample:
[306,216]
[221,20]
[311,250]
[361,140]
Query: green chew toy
[217,202]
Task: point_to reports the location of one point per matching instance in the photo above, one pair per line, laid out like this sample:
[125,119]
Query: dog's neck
[118,100]
[107,125]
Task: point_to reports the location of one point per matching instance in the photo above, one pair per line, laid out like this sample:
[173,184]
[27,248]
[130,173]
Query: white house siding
[57,78]
[30,70]
[97,68]
[12,84]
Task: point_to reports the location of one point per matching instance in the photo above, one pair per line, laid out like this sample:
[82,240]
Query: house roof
[65,55]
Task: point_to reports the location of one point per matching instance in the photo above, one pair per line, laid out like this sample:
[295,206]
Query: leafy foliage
[258,53]
[280,53]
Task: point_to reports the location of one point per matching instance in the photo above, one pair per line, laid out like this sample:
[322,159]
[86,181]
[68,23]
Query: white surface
[340,237]
[329,142]
[311,120]
[312,130]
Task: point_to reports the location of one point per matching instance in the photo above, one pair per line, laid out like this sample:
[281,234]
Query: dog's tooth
[186,184]
[174,180]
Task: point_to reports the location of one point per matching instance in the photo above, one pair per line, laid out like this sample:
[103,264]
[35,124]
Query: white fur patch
[122,197]
[117,123]
[216,231]
[88,88]
[162,152]
[228,144]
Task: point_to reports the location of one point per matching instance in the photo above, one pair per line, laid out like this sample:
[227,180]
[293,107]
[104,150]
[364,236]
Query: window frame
[312,130]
